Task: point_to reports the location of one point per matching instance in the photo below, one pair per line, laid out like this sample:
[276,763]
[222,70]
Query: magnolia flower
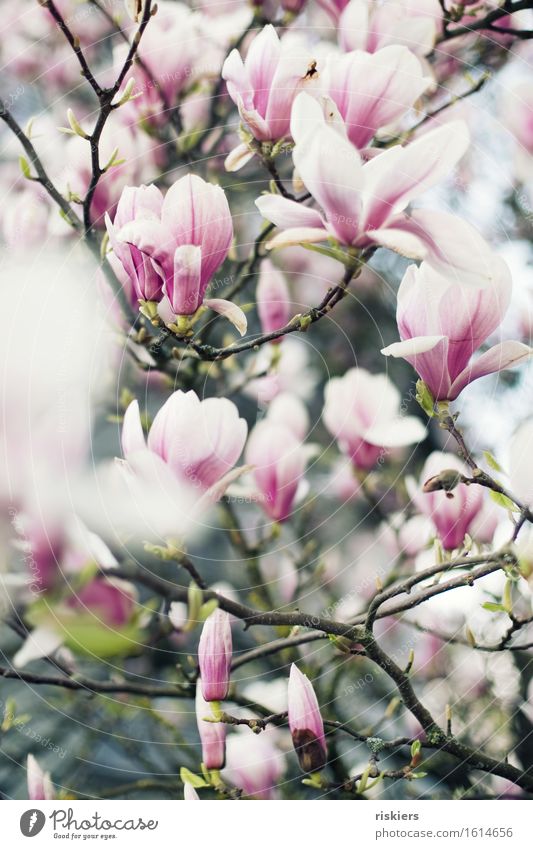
[305,722]
[39,782]
[212,734]
[273,299]
[363,205]
[333,7]
[264,86]
[187,243]
[369,24]
[214,656]
[278,458]
[442,323]
[373,90]
[135,270]
[199,440]
[454,512]
[256,768]
[520,465]
[362,412]
[189,793]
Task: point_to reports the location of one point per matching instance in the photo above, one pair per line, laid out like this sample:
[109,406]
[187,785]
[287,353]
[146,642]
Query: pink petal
[498,358]
[287,213]
[230,311]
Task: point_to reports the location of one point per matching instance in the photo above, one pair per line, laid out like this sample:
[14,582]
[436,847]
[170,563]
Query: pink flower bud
[279,461]
[190,794]
[305,722]
[39,782]
[212,734]
[273,299]
[214,656]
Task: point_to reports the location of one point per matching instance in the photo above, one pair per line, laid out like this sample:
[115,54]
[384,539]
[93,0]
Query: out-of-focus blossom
[39,782]
[189,793]
[518,115]
[362,412]
[199,440]
[452,513]
[136,269]
[257,768]
[214,656]
[135,152]
[334,8]
[264,85]
[273,299]
[187,244]
[287,409]
[25,219]
[305,722]
[369,24]
[363,205]
[521,462]
[295,6]
[212,734]
[442,323]
[278,458]
[291,372]
[170,52]
[373,90]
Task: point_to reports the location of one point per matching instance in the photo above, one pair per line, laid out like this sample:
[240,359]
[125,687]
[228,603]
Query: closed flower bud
[305,722]
[214,656]
[272,298]
[212,734]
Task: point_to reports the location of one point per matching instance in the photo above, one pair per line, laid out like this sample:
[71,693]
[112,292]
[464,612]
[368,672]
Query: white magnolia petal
[230,311]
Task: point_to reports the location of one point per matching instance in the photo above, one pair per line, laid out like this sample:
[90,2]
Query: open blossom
[362,412]
[273,299]
[187,243]
[39,782]
[521,462]
[265,84]
[200,441]
[442,323]
[278,456]
[212,734]
[370,24]
[214,655]
[372,90]
[363,205]
[305,722]
[453,513]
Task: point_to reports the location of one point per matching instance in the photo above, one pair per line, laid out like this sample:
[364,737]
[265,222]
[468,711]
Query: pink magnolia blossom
[305,722]
[363,205]
[520,462]
[136,271]
[362,412]
[370,24]
[278,458]
[372,90]
[442,323]
[212,734]
[188,242]
[39,782]
[334,8]
[265,84]
[255,769]
[273,299]
[452,513]
[214,656]
[199,440]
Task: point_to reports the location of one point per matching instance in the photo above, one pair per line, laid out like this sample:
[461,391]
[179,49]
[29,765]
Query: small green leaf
[191,778]
[492,462]
[503,501]
[425,398]
[25,167]
[418,774]
[415,748]
[493,607]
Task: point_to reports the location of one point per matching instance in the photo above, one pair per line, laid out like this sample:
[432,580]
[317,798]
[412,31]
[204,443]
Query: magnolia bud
[212,734]
[214,656]
[305,722]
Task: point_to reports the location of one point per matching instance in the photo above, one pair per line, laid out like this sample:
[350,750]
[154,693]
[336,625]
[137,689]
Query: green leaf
[25,167]
[493,607]
[503,501]
[492,462]
[425,398]
[415,748]
[418,774]
[191,778]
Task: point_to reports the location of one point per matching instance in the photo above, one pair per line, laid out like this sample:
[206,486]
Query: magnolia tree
[262,538]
